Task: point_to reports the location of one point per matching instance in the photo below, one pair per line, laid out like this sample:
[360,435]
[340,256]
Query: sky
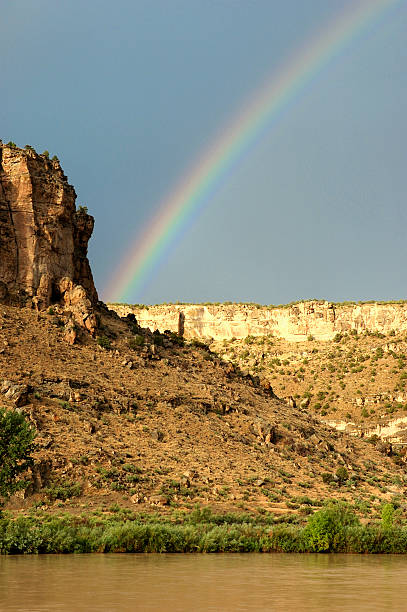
[129,94]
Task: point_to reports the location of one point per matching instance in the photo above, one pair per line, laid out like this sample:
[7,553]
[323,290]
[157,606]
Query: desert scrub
[103,342]
[64,491]
[135,342]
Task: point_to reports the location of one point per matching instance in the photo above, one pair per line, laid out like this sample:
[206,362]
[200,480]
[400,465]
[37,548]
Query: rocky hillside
[346,362]
[355,382]
[138,418]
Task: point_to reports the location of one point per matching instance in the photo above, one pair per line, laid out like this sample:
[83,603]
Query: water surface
[119,582]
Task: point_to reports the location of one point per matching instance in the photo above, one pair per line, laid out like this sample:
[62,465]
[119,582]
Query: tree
[325,529]
[16,446]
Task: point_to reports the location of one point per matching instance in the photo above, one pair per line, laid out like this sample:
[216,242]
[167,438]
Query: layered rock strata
[43,238]
[320,319]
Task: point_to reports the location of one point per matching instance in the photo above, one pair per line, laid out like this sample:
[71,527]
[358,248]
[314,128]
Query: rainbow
[200,182]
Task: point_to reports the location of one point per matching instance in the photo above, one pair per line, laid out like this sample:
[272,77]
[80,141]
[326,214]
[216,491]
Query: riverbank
[334,528]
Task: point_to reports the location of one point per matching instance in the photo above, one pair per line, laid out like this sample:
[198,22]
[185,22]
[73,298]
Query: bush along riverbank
[334,528]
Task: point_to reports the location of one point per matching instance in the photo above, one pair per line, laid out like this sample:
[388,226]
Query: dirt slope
[149,423]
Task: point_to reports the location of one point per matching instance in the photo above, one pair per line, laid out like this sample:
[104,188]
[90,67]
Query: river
[218,582]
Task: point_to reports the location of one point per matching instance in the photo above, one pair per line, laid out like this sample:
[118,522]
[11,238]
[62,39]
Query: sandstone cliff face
[43,238]
[295,323]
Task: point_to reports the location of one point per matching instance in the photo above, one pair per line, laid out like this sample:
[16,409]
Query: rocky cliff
[319,319]
[43,238]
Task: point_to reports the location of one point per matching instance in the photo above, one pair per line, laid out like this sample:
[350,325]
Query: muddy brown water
[203,582]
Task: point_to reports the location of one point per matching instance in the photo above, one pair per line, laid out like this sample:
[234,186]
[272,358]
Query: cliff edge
[43,237]
[295,322]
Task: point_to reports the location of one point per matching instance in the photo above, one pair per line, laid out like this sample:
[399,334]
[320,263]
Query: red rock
[43,238]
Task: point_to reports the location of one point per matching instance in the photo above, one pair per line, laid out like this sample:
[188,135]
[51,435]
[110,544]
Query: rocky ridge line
[297,322]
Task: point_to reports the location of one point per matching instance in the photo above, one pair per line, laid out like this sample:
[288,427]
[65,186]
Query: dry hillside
[357,379]
[142,420]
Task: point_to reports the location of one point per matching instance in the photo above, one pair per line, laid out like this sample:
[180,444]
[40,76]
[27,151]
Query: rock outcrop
[43,238]
[320,319]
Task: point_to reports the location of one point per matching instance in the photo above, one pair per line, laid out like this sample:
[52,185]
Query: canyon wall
[297,322]
[43,238]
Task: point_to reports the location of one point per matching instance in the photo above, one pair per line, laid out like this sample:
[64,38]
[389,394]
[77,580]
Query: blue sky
[128,94]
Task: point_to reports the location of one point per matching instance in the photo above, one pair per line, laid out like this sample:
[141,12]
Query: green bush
[388,511]
[325,529]
[342,474]
[64,490]
[137,341]
[104,342]
[16,447]
[175,338]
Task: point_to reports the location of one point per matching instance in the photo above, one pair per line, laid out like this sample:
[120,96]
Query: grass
[333,528]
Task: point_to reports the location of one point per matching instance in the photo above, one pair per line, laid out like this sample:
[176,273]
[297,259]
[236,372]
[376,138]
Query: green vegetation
[333,528]
[326,528]
[64,491]
[104,342]
[137,341]
[16,447]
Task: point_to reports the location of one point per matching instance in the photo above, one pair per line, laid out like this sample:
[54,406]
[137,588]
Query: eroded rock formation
[43,238]
[297,322]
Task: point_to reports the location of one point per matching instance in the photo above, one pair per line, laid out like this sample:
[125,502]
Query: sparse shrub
[175,338]
[104,342]
[45,154]
[198,343]
[64,490]
[157,338]
[342,474]
[136,341]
